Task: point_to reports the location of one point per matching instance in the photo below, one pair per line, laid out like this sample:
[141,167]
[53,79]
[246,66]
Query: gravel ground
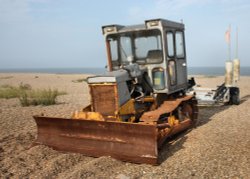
[218,148]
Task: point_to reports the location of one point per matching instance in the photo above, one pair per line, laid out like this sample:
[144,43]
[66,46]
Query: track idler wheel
[189,110]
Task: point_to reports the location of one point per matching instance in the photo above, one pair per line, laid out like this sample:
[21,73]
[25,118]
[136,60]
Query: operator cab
[157,45]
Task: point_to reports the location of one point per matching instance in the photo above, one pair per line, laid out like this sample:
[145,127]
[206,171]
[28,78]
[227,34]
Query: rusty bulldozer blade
[132,142]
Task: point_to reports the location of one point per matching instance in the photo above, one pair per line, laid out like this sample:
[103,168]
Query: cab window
[170,43]
[125,48]
[113,49]
[179,44]
[143,44]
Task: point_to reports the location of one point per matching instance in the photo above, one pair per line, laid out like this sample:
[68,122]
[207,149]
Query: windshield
[136,45]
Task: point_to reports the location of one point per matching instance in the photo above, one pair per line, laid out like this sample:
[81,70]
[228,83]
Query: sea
[207,71]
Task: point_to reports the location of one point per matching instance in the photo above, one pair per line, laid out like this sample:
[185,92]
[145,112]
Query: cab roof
[162,23]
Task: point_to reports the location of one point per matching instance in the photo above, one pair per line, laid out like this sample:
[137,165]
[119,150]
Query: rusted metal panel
[125,141]
[104,98]
[167,107]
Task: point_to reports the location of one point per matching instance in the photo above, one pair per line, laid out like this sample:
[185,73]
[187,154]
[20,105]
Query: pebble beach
[219,147]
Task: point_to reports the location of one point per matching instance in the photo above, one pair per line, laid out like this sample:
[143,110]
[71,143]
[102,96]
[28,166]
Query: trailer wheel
[235,96]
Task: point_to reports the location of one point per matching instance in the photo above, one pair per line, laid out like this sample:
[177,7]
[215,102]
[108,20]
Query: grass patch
[7,91]
[80,80]
[6,77]
[27,96]
[39,97]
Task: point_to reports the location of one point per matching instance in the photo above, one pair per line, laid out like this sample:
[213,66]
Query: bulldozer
[136,105]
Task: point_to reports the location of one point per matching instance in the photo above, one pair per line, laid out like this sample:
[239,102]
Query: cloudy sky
[64,33]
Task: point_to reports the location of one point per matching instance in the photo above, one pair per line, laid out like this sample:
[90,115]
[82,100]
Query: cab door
[176,61]
[181,65]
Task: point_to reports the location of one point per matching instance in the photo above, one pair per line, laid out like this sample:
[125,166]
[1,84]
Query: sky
[67,33]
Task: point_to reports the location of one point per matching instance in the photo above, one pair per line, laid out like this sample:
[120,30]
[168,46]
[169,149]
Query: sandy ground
[218,148]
